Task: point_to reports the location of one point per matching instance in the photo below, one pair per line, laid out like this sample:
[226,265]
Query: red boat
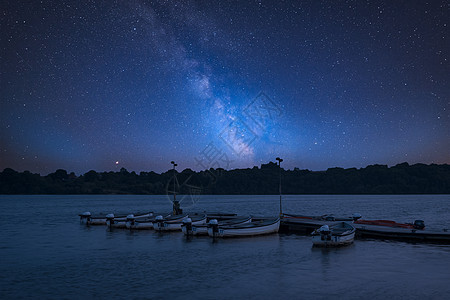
[330,218]
[418,224]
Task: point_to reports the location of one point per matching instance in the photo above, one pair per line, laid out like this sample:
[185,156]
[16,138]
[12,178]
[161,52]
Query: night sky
[136,84]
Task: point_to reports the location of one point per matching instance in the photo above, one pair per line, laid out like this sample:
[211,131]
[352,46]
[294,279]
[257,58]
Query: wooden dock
[306,226]
[405,234]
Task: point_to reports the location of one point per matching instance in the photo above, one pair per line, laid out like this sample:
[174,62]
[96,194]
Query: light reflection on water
[46,253]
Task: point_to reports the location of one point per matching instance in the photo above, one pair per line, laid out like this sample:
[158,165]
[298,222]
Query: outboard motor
[109,220]
[325,233]
[85,217]
[131,219]
[159,223]
[187,223]
[356,216]
[214,224]
[419,224]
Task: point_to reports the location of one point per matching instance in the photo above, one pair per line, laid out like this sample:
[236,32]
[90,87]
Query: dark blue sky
[108,84]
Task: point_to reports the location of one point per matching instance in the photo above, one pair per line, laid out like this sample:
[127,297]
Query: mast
[176,210]
[174,180]
[279,165]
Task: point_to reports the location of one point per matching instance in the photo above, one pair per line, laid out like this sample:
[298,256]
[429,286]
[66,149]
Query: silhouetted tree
[374,179]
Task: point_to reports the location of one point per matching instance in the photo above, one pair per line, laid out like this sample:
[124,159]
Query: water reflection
[51,255]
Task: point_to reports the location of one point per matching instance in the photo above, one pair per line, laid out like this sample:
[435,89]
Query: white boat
[188,222]
[339,234]
[202,229]
[120,222]
[143,225]
[112,222]
[140,223]
[169,223]
[258,227]
[88,219]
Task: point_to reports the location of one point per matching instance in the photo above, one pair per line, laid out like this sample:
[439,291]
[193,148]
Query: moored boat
[140,223]
[174,223]
[418,224]
[101,219]
[112,222]
[202,229]
[326,217]
[88,219]
[259,227]
[219,216]
[158,223]
[120,222]
[339,234]
[441,236]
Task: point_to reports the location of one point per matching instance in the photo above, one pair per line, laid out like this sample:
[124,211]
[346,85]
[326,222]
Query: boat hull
[341,234]
[176,225]
[203,228]
[199,221]
[121,222]
[198,230]
[404,234]
[335,241]
[95,221]
[139,225]
[116,224]
[250,229]
[87,219]
[327,217]
[164,226]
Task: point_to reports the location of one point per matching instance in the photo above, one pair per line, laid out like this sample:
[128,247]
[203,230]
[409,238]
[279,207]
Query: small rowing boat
[219,216]
[113,222]
[101,219]
[339,234]
[161,224]
[120,222]
[141,223]
[418,224]
[88,219]
[327,217]
[158,223]
[202,229]
[257,227]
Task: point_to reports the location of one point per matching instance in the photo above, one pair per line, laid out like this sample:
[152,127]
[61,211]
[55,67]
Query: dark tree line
[374,179]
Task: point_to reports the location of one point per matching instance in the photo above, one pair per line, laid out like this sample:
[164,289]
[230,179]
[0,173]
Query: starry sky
[136,84]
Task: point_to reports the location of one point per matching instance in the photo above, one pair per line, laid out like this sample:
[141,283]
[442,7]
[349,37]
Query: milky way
[109,84]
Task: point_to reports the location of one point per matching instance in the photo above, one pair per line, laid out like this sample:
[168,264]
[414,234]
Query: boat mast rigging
[279,165]
[176,210]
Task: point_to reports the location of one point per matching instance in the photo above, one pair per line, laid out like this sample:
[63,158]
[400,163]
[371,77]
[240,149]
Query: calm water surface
[46,253]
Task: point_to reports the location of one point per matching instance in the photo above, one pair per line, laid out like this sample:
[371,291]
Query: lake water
[46,253]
